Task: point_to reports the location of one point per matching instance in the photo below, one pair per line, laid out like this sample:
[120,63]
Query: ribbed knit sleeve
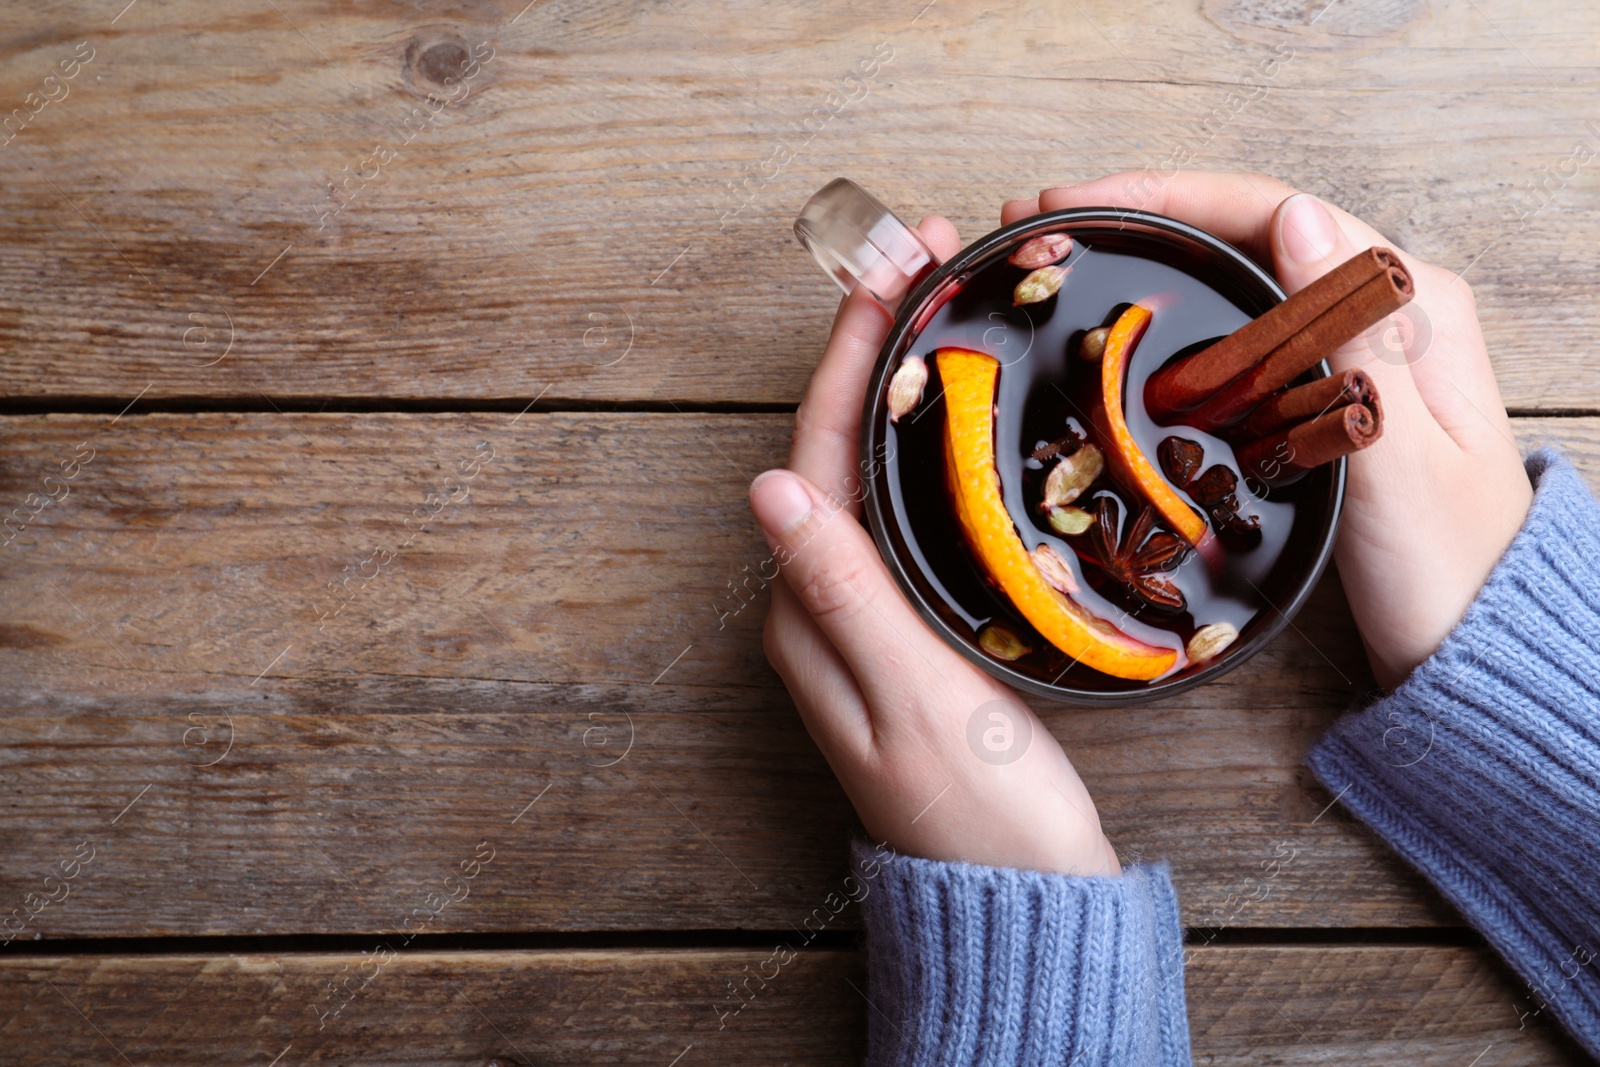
[1483,768]
[988,966]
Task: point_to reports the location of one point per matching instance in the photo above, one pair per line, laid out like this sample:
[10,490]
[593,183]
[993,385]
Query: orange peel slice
[969,380]
[1126,455]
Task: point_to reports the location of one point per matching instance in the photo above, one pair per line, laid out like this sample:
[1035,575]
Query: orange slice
[1132,463]
[969,386]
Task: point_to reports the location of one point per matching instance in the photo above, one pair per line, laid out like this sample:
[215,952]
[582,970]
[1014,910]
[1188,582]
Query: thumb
[831,563]
[1308,242]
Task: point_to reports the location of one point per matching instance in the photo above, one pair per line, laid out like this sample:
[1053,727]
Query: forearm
[1483,767]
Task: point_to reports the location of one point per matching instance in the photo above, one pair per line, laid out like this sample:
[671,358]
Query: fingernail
[1307,230]
[780,502]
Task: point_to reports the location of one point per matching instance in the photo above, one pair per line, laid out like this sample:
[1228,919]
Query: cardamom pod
[1042,284]
[1069,478]
[905,388]
[1209,641]
[1041,251]
[1069,521]
[1001,643]
[1054,569]
[1093,345]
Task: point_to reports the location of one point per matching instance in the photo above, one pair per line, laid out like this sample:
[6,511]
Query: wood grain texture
[369,674]
[1247,1006]
[604,216]
[552,636]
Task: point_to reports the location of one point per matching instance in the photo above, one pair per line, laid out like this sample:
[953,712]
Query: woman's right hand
[941,760]
[1433,505]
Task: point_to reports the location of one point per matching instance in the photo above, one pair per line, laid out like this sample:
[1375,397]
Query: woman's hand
[940,760]
[1435,503]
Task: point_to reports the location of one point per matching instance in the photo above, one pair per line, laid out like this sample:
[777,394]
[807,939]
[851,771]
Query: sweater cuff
[1483,768]
[994,966]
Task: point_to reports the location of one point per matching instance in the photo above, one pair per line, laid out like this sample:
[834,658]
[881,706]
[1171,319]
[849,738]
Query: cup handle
[858,241]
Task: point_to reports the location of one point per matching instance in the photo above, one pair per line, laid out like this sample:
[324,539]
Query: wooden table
[376,516]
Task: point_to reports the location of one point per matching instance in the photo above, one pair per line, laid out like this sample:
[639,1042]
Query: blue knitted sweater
[1482,769]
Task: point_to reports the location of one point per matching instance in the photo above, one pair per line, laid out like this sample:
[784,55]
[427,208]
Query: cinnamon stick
[1300,447]
[1371,303]
[1191,381]
[1304,402]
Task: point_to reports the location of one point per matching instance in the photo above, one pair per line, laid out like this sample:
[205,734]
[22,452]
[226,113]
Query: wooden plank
[240,767]
[603,215]
[1255,1005]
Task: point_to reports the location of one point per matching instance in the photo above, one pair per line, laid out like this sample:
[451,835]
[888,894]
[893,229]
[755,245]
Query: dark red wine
[1047,392]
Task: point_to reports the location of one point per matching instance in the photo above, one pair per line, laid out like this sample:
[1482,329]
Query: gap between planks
[695,940]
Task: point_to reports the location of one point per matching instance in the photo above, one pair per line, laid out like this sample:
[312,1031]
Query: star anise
[1138,560]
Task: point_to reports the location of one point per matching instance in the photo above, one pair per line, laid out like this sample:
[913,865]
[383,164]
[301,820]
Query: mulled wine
[1027,498]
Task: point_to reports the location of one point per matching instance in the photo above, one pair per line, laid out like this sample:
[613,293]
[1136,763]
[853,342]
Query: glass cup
[859,242]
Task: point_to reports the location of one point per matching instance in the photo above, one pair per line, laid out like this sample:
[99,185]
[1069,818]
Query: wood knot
[443,60]
[437,64]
